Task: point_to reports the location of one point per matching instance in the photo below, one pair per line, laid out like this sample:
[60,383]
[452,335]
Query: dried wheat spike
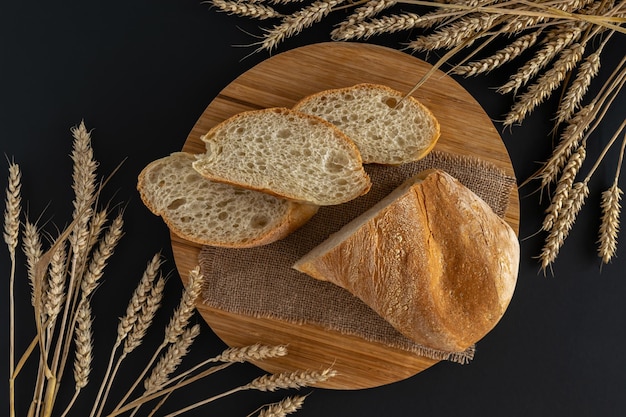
[576,91]
[256,352]
[386,24]
[186,307]
[250,9]
[170,361]
[287,380]
[13,208]
[56,288]
[506,54]
[145,316]
[558,39]
[545,85]
[560,230]
[296,22]
[84,345]
[455,33]
[32,249]
[284,407]
[138,299]
[564,186]
[101,255]
[360,14]
[570,139]
[609,226]
[83,184]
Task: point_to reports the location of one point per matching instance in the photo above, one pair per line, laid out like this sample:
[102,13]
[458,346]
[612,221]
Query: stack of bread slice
[265,172]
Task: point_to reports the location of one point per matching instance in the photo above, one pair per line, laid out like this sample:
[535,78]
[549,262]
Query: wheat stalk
[12,210]
[284,407]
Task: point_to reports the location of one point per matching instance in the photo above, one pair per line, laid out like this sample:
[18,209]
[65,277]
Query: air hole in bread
[348,97]
[176,203]
[223,215]
[335,162]
[390,102]
[259,221]
[284,133]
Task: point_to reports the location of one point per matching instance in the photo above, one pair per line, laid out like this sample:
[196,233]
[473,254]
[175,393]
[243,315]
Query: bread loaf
[216,214]
[386,128]
[285,153]
[431,258]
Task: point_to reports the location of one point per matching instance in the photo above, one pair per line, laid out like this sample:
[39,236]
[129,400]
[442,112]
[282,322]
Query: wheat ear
[13,208]
[251,9]
[136,303]
[176,326]
[296,22]
[559,38]
[286,380]
[545,85]
[611,209]
[33,250]
[284,407]
[360,14]
[56,288]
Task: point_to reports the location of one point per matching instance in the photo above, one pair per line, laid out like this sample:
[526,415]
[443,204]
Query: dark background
[140,73]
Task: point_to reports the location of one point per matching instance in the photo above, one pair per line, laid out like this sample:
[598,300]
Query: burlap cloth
[260,282]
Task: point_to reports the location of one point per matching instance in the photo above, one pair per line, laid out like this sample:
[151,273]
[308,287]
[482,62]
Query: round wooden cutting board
[282,80]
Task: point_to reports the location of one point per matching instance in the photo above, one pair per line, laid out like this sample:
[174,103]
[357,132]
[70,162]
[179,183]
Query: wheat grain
[282,408]
[564,185]
[545,85]
[145,317]
[256,352]
[506,54]
[186,307]
[296,22]
[138,298]
[560,230]
[557,40]
[290,380]
[13,208]
[170,361]
[84,345]
[101,255]
[250,9]
[454,34]
[609,224]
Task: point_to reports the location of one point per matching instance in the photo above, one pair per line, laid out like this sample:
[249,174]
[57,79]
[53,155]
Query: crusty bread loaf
[431,258]
[385,128]
[212,213]
[285,153]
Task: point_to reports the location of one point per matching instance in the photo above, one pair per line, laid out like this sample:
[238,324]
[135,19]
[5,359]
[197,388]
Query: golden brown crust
[436,263]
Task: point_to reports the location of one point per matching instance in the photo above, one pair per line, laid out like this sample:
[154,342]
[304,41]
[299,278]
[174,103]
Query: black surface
[141,72]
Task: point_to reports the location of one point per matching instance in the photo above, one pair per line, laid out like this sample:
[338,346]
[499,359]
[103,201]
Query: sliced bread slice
[216,214]
[432,258]
[386,129]
[285,153]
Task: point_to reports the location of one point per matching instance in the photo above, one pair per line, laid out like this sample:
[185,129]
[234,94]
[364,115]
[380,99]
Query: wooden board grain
[282,80]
